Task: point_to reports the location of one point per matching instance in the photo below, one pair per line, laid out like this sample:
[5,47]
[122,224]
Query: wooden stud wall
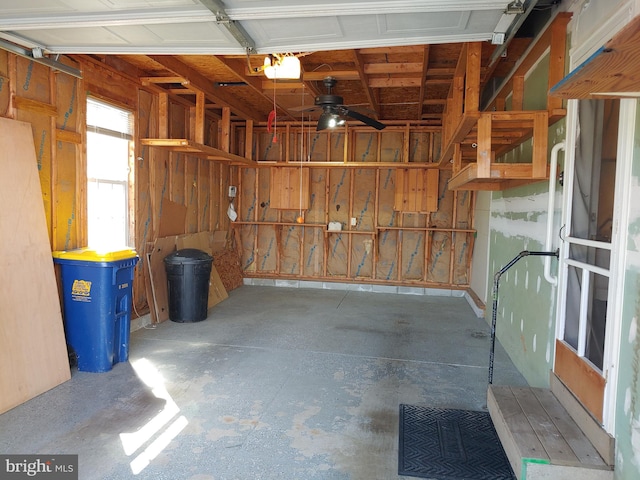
[54,104]
[429,246]
[385,246]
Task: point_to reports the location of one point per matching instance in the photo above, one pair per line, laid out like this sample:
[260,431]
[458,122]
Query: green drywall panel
[526,301]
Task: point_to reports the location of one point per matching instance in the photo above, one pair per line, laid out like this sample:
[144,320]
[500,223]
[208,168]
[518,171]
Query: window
[109,176]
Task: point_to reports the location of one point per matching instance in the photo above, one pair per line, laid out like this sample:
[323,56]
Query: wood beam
[198,134]
[163,115]
[397,82]
[239,69]
[472,77]
[154,80]
[387,68]
[557,62]
[199,81]
[224,130]
[365,83]
[423,76]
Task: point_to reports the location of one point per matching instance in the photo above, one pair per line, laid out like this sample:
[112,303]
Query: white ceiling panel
[422,24]
[270,34]
[74,36]
[230,26]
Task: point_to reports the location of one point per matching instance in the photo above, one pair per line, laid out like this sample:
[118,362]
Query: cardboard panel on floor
[163,247]
[33,353]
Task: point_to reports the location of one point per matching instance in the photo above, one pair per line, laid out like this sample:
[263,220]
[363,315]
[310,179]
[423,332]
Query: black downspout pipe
[496,283]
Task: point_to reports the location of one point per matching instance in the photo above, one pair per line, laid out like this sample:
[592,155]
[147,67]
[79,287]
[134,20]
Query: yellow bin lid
[89,255]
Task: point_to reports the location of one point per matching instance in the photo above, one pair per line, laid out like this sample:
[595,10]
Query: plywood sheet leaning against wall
[202,241]
[33,354]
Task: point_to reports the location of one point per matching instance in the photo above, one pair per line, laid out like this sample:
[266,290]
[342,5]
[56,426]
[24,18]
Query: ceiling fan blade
[363,118]
[305,108]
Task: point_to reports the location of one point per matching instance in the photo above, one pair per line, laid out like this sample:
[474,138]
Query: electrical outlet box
[354,221]
[232,191]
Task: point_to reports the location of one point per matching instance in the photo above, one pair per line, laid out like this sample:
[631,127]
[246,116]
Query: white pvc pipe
[553,167]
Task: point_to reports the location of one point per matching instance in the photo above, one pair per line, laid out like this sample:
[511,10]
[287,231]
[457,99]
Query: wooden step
[540,438]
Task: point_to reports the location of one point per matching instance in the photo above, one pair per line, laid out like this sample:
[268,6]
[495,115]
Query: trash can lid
[90,255]
[187,256]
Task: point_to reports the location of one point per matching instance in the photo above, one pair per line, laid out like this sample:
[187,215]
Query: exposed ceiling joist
[373,102]
[423,76]
[205,85]
[239,69]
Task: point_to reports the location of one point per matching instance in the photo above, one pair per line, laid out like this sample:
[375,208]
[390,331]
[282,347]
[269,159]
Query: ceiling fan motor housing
[328,99]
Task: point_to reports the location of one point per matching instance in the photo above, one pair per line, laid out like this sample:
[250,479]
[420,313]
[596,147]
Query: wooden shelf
[473,139]
[612,71]
[183,145]
[377,230]
[501,176]
[341,164]
[495,134]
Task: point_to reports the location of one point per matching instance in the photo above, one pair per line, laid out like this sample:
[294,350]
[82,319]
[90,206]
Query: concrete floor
[277,383]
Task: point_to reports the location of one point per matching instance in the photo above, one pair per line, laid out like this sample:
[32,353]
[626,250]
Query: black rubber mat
[445,444]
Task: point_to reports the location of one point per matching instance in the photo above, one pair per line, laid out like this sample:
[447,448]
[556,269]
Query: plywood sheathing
[33,354]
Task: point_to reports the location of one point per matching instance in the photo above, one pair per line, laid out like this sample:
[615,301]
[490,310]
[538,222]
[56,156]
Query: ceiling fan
[334,111]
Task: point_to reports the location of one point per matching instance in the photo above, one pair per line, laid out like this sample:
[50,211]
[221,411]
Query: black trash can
[188,271]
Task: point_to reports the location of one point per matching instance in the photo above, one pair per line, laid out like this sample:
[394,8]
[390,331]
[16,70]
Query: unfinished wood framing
[289,188]
[382,245]
[406,145]
[611,72]
[496,134]
[474,140]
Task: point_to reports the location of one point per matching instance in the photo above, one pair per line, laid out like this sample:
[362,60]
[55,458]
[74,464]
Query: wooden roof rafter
[423,76]
[373,102]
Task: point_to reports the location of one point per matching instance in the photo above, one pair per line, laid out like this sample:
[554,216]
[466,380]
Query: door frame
[628,108]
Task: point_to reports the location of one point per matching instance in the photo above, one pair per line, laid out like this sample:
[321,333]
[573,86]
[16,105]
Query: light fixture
[329,119]
[281,67]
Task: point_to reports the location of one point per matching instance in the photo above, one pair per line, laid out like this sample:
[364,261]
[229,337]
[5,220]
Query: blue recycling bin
[97,297]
